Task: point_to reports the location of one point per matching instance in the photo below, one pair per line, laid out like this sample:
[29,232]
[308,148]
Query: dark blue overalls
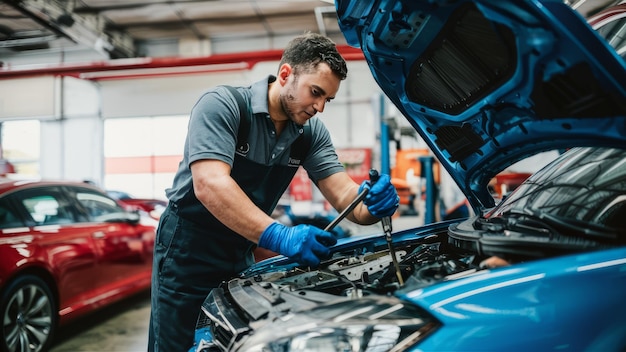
[218,255]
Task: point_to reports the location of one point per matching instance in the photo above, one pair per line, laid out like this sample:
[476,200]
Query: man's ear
[283,72]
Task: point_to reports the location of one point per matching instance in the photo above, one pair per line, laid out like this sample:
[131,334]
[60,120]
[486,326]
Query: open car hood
[489,83]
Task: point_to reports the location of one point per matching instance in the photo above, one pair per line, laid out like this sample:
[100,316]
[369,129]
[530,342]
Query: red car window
[47,209]
[8,217]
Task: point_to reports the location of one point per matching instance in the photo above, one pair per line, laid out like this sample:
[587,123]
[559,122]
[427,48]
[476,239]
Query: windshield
[586,185]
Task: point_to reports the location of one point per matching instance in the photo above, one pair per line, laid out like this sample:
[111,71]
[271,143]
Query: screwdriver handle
[374,175]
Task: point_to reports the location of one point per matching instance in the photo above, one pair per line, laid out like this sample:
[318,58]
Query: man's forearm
[232,207]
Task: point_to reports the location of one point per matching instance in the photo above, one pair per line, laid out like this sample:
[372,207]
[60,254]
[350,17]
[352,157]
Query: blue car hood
[489,83]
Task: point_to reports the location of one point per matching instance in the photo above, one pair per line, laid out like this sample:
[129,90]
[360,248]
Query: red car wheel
[29,315]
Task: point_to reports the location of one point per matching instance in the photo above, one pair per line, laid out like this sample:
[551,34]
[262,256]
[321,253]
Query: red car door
[123,244]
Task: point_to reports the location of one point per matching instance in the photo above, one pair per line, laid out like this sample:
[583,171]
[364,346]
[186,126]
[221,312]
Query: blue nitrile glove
[305,244]
[382,198]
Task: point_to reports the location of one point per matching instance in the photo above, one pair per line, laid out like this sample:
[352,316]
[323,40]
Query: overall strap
[244,118]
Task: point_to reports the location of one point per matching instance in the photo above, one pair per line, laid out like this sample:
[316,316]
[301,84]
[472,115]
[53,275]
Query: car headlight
[369,324]
[353,338]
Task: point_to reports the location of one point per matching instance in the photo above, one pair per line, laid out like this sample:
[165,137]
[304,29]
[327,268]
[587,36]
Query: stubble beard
[284,103]
[287,101]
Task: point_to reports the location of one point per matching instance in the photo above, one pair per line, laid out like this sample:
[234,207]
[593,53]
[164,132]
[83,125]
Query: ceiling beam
[140,67]
[87,30]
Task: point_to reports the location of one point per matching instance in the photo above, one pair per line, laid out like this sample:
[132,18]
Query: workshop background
[101,90]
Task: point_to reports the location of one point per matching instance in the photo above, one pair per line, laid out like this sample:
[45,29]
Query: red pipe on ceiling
[132,68]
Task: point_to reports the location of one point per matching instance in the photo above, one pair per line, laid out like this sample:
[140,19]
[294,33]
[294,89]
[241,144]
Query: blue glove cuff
[270,238]
[364,185]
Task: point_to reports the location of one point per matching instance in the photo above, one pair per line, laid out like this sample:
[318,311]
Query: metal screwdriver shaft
[386,223]
[347,210]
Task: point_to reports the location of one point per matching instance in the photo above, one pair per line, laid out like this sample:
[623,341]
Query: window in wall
[142,154]
[20,145]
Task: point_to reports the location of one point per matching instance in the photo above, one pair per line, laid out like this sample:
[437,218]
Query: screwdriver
[386,222]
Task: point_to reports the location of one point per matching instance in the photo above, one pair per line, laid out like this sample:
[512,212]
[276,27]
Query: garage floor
[123,327]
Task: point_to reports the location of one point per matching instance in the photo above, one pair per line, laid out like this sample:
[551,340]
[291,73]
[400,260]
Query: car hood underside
[488,83]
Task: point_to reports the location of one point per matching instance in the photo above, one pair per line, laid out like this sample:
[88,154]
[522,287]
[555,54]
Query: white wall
[159,96]
[72,149]
[31,97]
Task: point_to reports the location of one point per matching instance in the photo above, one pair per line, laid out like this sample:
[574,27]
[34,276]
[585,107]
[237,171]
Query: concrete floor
[123,327]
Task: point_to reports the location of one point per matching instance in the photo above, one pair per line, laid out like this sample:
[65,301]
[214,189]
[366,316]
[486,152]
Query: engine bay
[358,273]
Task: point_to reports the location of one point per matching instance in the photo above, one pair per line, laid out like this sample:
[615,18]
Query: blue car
[485,84]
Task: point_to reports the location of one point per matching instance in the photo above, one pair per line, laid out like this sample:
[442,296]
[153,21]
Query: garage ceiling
[120,29]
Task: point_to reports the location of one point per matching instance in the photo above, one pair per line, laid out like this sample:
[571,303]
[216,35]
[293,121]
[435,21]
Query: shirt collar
[259,91]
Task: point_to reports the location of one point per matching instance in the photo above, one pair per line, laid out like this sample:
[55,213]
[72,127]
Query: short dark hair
[308,50]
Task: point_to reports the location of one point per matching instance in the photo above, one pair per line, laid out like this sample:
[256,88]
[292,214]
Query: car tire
[29,315]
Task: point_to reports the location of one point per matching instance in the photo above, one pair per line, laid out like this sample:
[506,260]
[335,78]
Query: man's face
[306,94]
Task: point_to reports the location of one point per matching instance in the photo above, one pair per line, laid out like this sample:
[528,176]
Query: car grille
[227,327]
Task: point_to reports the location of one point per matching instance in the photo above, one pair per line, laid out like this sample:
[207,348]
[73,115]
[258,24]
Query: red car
[66,249]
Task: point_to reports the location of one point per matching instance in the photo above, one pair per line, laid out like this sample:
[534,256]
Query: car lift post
[385,167]
[426,165]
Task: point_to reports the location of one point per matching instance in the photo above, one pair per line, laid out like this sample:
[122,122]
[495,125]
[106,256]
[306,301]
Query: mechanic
[224,190]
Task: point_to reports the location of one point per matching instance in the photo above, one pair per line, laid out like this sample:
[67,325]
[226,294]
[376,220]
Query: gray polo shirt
[212,134]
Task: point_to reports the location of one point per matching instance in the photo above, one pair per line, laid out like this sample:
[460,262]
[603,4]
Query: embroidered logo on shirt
[294,162]
[242,149]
